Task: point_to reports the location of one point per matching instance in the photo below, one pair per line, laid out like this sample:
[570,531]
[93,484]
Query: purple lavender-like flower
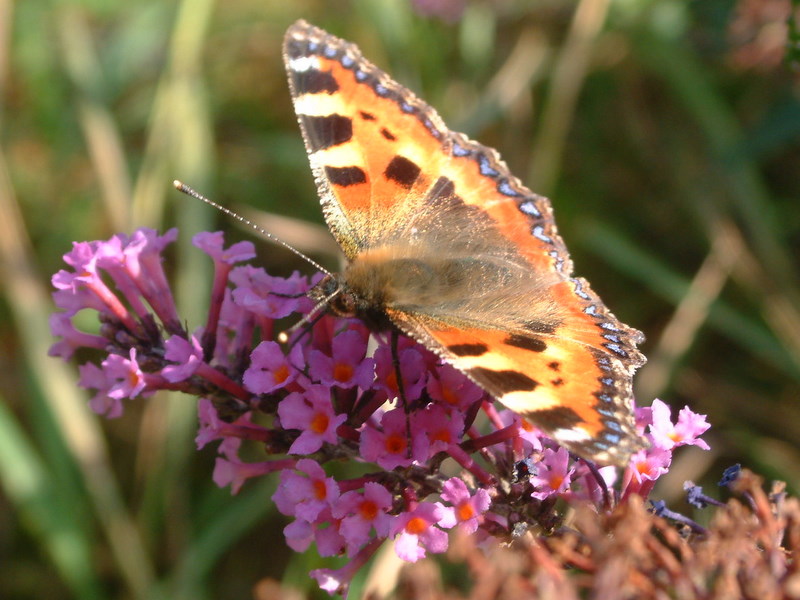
[362,512]
[312,414]
[336,392]
[392,443]
[416,530]
[467,507]
[554,474]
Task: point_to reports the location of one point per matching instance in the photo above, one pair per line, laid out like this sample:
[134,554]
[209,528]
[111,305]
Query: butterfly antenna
[311,317]
[182,187]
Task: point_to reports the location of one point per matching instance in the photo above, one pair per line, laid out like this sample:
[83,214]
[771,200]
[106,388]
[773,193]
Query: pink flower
[187,353]
[591,490]
[213,245]
[211,425]
[388,446]
[415,531]
[93,377]
[529,440]
[311,413]
[299,534]
[346,367]
[61,326]
[467,510]
[554,474]
[649,464]
[267,296]
[129,379]
[72,297]
[142,262]
[307,493]
[232,471]
[442,429]
[361,512]
[412,366]
[685,432]
[644,418]
[85,288]
[337,581]
[213,428]
[270,369]
[330,541]
[451,387]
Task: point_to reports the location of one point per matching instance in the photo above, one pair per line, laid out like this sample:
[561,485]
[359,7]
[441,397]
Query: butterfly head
[334,293]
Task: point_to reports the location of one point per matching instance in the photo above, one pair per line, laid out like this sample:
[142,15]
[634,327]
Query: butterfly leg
[401,393]
[281,295]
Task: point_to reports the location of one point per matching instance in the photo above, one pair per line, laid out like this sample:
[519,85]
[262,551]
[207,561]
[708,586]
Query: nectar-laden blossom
[553,474]
[434,452]
[345,366]
[411,362]
[417,530]
[271,368]
[393,443]
[447,385]
[467,507]
[305,491]
[686,431]
[311,413]
[362,512]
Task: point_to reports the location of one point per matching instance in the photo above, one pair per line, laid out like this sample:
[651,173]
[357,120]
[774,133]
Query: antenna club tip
[283,338]
[178,185]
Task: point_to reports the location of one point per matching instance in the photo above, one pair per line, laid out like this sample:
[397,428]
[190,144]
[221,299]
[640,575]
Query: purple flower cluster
[442,457]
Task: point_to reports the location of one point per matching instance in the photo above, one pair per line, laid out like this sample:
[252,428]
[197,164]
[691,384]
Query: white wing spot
[304,63]
[572,435]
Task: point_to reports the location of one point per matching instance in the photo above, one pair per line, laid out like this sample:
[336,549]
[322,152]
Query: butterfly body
[448,247]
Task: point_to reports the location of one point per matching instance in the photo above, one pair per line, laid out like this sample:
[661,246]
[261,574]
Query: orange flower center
[391,381]
[416,525]
[342,372]
[395,444]
[281,374]
[449,396]
[556,481]
[319,424]
[133,378]
[368,510]
[465,512]
[320,492]
[443,435]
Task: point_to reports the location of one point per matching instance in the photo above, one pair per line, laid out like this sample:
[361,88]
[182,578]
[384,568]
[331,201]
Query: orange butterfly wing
[443,240]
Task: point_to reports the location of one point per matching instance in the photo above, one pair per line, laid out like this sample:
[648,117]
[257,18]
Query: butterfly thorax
[379,281]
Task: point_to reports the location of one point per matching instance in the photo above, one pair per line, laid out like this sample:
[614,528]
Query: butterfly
[445,245]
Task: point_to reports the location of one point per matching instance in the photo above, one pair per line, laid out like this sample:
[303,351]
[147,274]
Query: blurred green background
[666,131]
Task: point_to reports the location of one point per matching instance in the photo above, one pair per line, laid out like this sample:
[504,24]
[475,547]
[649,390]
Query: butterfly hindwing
[576,393]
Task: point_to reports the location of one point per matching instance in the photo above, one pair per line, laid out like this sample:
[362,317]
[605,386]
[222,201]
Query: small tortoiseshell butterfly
[446,245]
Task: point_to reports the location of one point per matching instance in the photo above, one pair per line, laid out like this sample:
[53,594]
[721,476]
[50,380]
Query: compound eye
[324,288]
[344,304]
